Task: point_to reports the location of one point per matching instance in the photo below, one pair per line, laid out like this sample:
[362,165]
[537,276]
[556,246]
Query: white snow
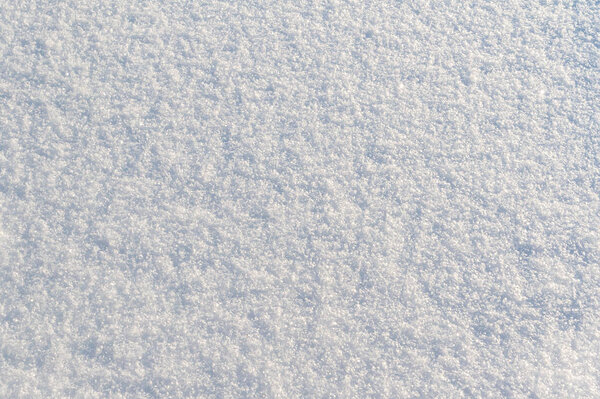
[299,199]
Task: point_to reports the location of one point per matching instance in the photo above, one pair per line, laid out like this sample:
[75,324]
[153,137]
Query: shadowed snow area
[299,199]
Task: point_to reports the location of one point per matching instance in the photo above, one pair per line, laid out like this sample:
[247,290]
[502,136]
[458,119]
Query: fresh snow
[299,199]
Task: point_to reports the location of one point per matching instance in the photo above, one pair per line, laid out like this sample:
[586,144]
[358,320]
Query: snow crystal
[291,199]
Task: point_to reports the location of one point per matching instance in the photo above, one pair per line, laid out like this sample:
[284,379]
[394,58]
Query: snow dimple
[299,199]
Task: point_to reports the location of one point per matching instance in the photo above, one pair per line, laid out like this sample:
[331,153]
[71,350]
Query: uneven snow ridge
[299,199]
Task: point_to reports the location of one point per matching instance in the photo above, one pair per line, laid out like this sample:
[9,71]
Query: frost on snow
[299,199]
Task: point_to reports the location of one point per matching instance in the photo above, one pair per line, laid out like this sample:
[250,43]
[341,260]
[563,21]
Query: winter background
[299,199]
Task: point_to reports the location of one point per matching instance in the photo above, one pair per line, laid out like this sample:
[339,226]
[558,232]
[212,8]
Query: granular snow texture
[299,199]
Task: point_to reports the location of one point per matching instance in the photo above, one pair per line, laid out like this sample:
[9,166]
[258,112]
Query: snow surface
[299,199]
